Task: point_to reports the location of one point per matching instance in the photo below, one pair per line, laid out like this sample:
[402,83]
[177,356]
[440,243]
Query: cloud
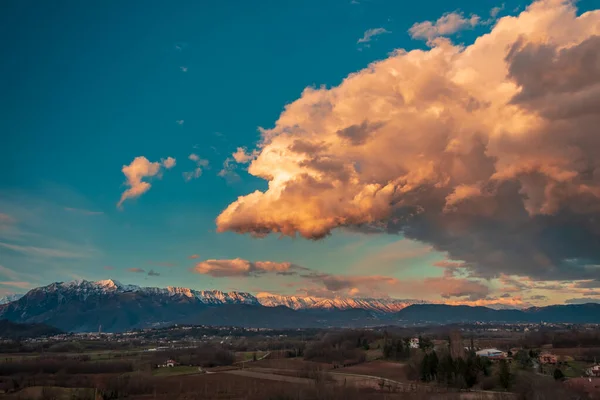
[8,273]
[446,25]
[168,163]
[588,284]
[82,211]
[20,285]
[496,10]
[152,273]
[109,268]
[6,220]
[240,267]
[370,33]
[184,69]
[194,256]
[139,169]
[486,152]
[44,252]
[197,172]
[228,170]
[583,300]
[180,122]
[136,270]
[242,157]
[538,297]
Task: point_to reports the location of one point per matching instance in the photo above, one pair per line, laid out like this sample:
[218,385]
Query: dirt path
[272,377]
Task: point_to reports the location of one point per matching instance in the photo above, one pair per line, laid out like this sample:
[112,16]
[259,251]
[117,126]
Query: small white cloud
[139,169]
[496,10]
[197,172]
[184,69]
[180,121]
[447,24]
[242,157]
[370,33]
[168,162]
[228,170]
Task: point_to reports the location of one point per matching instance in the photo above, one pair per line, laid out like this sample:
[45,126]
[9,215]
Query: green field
[173,371]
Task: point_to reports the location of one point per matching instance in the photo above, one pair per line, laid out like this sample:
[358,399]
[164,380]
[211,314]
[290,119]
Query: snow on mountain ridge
[342,303]
[10,298]
[85,288]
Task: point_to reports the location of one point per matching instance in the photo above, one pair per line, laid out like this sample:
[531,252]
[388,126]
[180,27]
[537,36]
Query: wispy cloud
[109,267]
[44,252]
[180,122]
[136,270]
[20,285]
[6,219]
[496,10]
[194,256]
[83,211]
[184,69]
[371,33]
[153,273]
[447,24]
[8,273]
[201,164]
[228,170]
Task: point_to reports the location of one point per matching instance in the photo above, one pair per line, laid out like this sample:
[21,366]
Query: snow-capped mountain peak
[83,289]
[340,303]
[10,298]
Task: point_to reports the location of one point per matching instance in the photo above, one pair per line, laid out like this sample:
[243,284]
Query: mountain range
[82,306]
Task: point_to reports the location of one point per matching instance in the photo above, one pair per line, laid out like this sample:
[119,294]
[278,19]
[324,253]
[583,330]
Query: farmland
[331,364]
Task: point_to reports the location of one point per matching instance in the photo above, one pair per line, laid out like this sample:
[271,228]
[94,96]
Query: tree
[558,374]
[523,359]
[504,374]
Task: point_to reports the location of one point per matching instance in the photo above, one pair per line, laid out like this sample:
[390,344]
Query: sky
[366,148]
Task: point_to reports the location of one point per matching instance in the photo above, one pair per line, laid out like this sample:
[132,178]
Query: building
[593,371]
[492,354]
[168,364]
[414,343]
[548,358]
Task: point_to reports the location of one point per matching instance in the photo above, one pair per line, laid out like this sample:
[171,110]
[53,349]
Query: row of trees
[456,372]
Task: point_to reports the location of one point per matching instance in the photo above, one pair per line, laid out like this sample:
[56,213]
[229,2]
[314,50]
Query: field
[174,371]
[382,369]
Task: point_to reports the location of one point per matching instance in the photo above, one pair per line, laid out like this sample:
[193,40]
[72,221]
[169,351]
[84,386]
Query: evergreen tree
[504,374]
[558,374]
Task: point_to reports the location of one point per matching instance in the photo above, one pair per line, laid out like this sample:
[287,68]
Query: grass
[574,369]
[174,371]
[58,393]
[248,355]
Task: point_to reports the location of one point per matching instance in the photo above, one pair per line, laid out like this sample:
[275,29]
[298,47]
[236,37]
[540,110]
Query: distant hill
[13,330]
[441,314]
[84,306]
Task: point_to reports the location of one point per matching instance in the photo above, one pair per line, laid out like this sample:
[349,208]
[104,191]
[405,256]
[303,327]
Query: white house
[593,371]
[491,353]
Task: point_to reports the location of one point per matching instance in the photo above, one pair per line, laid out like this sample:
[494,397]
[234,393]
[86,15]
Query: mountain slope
[112,306]
[441,313]
[340,303]
[12,330]
[10,298]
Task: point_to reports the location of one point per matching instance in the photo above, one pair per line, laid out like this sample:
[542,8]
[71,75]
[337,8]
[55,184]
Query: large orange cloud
[488,152]
[241,267]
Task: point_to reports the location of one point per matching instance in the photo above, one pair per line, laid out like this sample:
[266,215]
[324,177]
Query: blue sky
[89,86]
